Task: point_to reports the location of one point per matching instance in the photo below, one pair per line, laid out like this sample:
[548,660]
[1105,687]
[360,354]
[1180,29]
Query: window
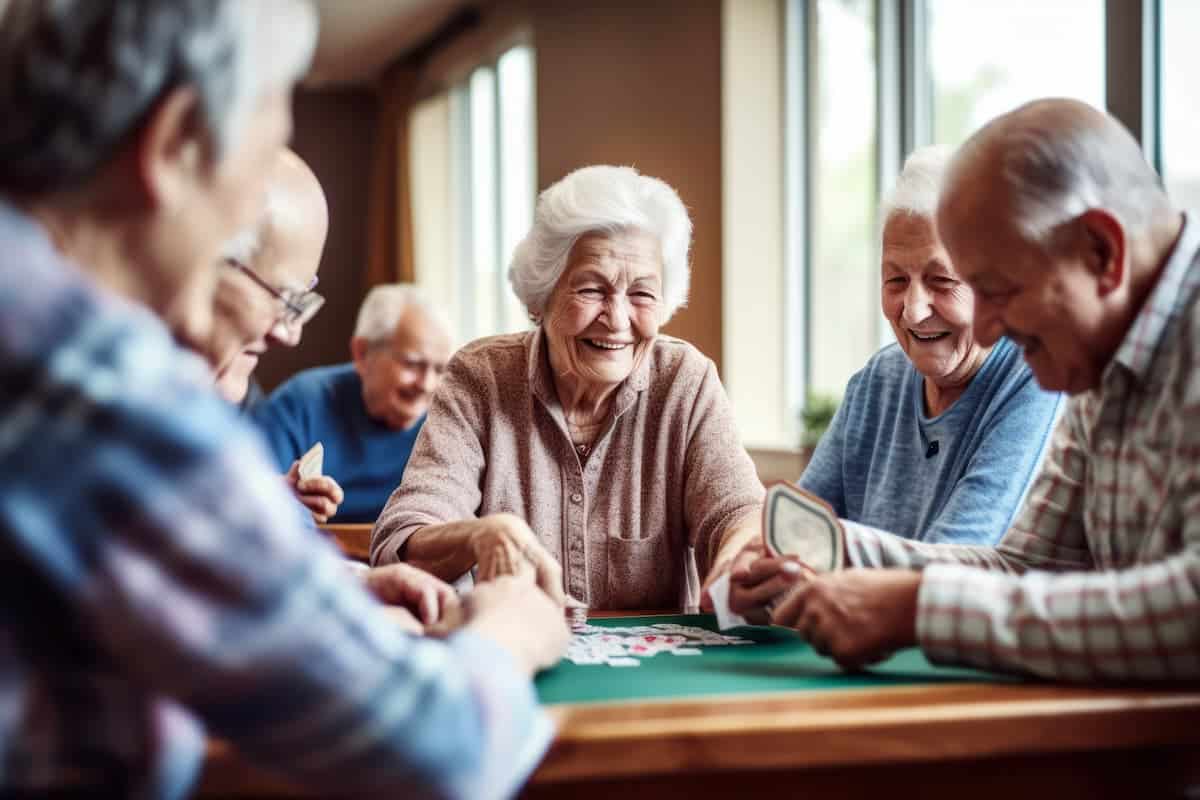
[1180,70]
[986,57]
[843,280]
[473,189]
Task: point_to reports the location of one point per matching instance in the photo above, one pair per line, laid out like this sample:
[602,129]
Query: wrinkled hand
[758,580]
[320,495]
[857,616]
[512,611]
[428,600]
[505,545]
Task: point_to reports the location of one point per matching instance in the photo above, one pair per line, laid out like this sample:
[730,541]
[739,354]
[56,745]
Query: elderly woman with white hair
[591,449]
[937,438]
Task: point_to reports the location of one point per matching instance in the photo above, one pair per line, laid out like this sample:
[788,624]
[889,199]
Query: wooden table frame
[969,741]
[354,539]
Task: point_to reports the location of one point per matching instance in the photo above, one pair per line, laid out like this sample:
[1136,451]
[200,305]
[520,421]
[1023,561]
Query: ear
[169,152]
[1104,249]
[358,352]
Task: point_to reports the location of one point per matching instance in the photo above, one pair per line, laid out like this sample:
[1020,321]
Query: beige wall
[630,82]
[334,131]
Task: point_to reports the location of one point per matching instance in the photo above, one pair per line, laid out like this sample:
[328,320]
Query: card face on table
[312,462]
[796,523]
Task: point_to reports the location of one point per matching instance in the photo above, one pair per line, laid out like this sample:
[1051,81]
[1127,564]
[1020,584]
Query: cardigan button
[576,498]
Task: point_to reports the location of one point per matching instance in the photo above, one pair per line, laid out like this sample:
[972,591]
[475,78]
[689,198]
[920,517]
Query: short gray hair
[601,199]
[81,75]
[385,305]
[1062,157]
[918,185]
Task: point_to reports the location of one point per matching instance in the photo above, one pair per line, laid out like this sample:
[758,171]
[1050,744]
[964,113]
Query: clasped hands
[856,617]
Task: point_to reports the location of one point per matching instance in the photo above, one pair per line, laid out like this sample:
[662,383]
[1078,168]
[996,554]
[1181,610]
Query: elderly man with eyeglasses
[265,296]
[367,412]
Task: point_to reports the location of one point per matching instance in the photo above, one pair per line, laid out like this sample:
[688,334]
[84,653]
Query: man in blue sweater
[366,413]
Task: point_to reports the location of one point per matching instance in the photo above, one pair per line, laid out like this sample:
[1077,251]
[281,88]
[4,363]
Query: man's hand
[857,616]
[320,495]
[513,612]
[504,545]
[428,599]
[758,579]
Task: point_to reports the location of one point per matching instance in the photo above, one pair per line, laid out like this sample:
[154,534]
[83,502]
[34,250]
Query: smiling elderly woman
[591,449]
[937,437]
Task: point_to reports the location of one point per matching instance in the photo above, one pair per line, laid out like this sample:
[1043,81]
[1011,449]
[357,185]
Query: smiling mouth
[928,337]
[601,344]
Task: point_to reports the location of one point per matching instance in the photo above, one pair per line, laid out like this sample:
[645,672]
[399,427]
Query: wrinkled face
[929,307]
[248,319]
[222,200]
[1048,304]
[400,375]
[606,308]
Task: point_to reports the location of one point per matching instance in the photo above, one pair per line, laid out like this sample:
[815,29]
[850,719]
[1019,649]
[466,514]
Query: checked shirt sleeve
[1064,619]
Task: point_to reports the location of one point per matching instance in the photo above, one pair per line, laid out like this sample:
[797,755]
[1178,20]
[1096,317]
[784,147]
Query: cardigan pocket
[643,574]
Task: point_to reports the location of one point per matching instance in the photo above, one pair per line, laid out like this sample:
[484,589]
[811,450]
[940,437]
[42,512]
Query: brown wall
[334,131]
[637,83]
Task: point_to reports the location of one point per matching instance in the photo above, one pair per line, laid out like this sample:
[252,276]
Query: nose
[616,309]
[429,380]
[917,305]
[284,334]
[988,325]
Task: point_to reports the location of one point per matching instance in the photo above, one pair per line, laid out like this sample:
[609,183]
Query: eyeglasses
[298,307]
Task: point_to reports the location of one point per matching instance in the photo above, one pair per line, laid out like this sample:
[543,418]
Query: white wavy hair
[918,185]
[385,304]
[601,199]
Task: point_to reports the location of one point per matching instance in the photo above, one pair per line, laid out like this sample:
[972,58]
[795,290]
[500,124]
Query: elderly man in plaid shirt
[158,584]
[1074,252]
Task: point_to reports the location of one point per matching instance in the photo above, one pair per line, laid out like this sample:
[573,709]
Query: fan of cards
[623,647]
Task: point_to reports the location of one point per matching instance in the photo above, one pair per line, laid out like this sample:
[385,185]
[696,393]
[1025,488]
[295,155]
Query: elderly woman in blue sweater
[937,437]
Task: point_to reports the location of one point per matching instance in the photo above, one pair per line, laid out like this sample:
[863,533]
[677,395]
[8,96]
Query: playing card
[796,523]
[312,462]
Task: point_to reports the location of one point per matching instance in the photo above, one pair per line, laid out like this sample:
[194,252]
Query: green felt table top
[779,661]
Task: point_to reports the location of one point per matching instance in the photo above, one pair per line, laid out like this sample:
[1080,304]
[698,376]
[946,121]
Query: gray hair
[81,75]
[601,199]
[918,185]
[1062,157]
[385,305]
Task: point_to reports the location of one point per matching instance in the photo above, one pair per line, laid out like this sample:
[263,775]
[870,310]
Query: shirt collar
[1167,298]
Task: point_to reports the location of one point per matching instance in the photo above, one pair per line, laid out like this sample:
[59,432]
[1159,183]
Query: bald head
[1060,226]
[284,250]
[1047,162]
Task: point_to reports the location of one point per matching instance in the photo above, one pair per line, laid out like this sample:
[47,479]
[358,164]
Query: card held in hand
[797,523]
[312,462]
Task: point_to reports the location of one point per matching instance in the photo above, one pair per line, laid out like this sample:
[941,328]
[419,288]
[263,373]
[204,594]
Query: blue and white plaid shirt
[157,584]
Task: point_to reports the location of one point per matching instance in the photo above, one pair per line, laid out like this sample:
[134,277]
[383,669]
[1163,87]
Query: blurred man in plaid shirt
[1064,231]
[157,585]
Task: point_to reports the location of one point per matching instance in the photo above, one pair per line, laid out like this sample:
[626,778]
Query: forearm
[1133,624]
[870,547]
[734,538]
[445,550]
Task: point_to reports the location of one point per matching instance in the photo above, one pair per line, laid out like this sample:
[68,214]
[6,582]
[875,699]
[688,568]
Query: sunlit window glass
[484,214]
[843,276]
[1181,101]
[518,182]
[989,56]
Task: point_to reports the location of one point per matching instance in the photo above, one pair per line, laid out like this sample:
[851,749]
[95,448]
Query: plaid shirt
[1099,577]
[158,585]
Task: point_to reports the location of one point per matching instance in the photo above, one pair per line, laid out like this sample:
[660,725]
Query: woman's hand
[512,612]
[504,545]
[320,495]
[427,599]
[758,580]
